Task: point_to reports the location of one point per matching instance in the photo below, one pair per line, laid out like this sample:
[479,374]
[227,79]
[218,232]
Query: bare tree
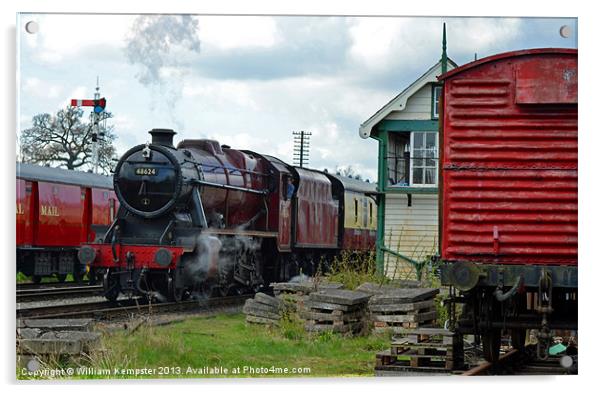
[64,140]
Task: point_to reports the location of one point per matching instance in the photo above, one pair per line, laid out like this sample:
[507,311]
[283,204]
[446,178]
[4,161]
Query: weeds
[352,269]
[291,327]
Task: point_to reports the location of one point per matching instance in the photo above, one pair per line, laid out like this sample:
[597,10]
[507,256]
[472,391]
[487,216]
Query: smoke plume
[160,46]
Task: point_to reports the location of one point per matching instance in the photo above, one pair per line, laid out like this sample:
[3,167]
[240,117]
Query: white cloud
[38,88]
[382,43]
[231,32]
[62,36]
[225,93]
[79,92]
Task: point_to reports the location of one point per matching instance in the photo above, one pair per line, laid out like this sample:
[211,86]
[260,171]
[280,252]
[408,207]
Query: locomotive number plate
[146,171]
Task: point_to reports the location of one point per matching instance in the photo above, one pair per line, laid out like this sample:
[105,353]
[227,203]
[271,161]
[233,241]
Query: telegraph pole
[301,148]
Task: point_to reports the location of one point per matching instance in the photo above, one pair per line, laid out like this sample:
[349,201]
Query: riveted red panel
[509,160]
[143,256]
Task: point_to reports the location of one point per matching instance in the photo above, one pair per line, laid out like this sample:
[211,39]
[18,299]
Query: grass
[226,341]
[23,279]
[352,270]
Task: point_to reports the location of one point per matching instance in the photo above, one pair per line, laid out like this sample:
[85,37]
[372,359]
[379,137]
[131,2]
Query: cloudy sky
[250,81]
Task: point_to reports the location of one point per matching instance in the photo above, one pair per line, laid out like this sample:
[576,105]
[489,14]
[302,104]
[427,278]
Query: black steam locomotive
[208,218]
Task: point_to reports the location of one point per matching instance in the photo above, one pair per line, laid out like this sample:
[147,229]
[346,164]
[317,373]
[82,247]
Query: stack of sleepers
[402,309]
[335,310]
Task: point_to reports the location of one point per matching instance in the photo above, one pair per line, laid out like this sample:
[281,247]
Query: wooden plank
[29,333]
[260,320]
[333,328]
[429,331]
[267,299]
[250,303]
[332,306]
[390,328]
[336,316]
[45,347]
[260,313]
[404,295]
[427,316]
[340,296]
[89,340]
[375,308]
[304,287]
[83,324]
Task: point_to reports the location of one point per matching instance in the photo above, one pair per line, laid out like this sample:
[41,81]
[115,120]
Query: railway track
[42,293]
[47,285]
[520,363]
[113,310]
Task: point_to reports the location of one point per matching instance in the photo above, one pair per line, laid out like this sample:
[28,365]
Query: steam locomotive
[203,217]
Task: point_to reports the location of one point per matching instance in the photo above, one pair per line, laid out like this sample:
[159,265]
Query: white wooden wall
[418,106]
[411,231]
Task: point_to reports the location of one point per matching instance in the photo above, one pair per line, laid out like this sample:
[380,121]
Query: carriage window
[370,213]
[356,210]
[424,159]
[365,212]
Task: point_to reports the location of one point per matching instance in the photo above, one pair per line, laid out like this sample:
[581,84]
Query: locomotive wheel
[518,337]
[78,276]
[61,277]
[491,344]
[174,294]
[110,286]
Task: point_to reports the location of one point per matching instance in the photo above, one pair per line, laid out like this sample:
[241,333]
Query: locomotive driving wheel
[174,293]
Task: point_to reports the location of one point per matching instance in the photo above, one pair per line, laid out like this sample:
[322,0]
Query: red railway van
[56,211]
[509,159]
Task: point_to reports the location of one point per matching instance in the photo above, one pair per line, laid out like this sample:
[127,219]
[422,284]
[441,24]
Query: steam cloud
[160,45]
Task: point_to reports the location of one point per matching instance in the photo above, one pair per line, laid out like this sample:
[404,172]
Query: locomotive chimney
[162,136]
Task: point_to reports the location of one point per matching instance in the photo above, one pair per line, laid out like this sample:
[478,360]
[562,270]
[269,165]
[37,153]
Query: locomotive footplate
[140,256]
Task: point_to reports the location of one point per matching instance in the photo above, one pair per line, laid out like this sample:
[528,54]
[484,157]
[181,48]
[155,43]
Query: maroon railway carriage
[56,211]
[508,203]
[207,218]
[357,222]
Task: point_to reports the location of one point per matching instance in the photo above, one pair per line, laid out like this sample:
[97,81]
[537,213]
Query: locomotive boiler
[205,218]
